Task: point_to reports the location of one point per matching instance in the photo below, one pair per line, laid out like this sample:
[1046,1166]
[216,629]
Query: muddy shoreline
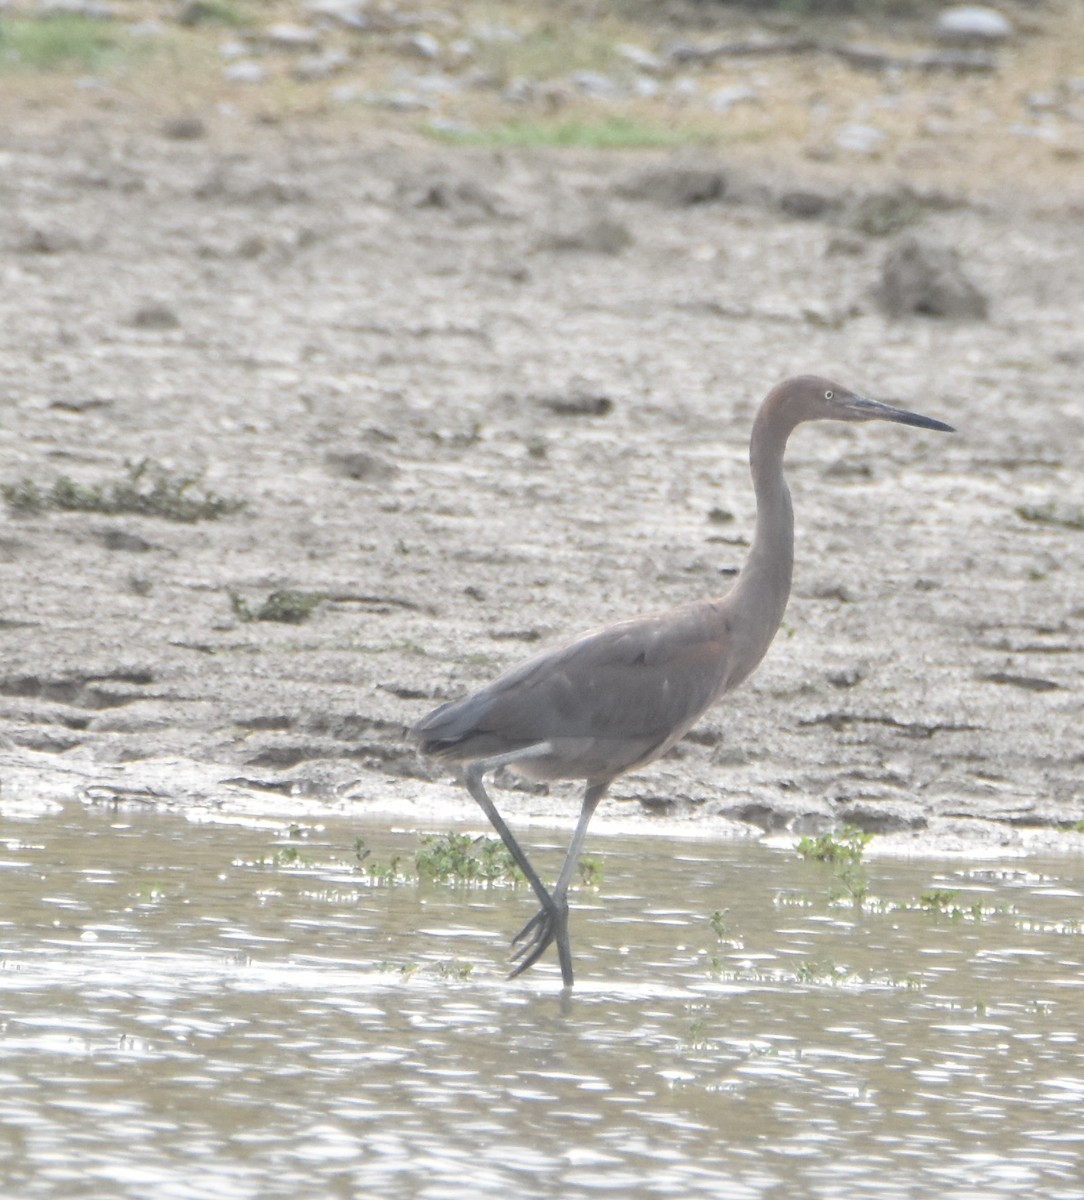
[474,423]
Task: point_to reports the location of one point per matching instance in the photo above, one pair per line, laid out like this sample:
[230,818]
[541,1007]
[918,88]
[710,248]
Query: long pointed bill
[865,409]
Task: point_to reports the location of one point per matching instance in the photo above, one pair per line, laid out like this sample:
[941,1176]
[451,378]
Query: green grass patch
[283,604]
[1050,513]
[62,41]
[216,12]
[601,133]
[146,489]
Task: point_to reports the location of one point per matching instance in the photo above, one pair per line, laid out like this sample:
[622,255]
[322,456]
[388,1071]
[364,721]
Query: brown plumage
[618,697]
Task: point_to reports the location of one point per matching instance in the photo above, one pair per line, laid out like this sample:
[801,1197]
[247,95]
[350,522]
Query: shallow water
[197,1005]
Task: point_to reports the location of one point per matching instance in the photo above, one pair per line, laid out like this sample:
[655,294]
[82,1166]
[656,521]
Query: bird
[620,696]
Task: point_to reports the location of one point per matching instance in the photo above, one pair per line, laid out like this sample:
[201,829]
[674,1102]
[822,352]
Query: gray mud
[479,401]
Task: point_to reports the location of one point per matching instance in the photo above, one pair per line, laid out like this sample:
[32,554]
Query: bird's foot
[549,924]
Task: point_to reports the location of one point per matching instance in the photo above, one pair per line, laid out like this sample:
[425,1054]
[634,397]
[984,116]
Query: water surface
[197,1005]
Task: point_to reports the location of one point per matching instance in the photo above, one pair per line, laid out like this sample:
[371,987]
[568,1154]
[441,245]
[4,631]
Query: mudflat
[463,400]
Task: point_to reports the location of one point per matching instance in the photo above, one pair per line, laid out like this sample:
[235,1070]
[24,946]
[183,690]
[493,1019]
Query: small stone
[155,315]
[925,278]
[286,36]
[804,204]
[677,186]
[578,401]
[723,100]
[47,241]
[121,539]
[252,246]
[184,129]
[349,13]
[245,71]
[600,235]
[424,45]
[640,58]
[594,84]
[314,67]
[860,139]
[877,815]
[401,101]
[971,23]
[92,9]
[460,195]
[880,213]
[360,465]
[847,244]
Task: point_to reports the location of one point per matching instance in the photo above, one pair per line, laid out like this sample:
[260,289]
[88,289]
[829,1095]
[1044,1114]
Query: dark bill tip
[877,410]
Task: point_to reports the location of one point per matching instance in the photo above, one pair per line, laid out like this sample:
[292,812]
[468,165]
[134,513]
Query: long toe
[531,924]
[530,955]
[537,935]
[545,927]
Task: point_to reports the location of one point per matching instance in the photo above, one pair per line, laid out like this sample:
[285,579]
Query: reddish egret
[619,697]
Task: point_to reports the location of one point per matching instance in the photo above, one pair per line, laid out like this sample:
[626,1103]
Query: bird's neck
[759,597]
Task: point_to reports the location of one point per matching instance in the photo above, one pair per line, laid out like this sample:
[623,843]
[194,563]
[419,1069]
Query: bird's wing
[644,680]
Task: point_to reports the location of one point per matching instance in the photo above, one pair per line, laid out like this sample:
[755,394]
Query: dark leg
[475,772]
[550,923]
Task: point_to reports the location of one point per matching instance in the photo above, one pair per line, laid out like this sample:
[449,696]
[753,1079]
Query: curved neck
[759,596]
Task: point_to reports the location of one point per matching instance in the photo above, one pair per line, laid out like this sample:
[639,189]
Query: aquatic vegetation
[844,852]
[286,856]
[820,971]
[459,858]
[590,871]
[455,858]
[389,872]
[847,846]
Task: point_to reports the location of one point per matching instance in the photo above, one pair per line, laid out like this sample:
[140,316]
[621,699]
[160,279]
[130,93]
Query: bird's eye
[828,395]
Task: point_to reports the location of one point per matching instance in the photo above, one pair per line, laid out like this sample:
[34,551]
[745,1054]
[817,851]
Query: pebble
[424,45]
[725,98]
[971,23]
[349,13]
[804,204]
[400,101]
[285,36]
[675,185]
[360,465]
[860,139]
[640,58]
[184,129]
[245,71]
[314,67]
[595,84]
[925,277]
[599,235]
[47,241]
[95,10]
[155,315]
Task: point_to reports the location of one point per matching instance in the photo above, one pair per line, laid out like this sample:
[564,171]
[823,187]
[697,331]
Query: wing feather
[640,683]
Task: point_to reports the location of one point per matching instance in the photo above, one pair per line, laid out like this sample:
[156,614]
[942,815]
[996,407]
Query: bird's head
[812,398]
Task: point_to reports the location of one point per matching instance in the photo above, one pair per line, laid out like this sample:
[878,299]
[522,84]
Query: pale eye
[828,395]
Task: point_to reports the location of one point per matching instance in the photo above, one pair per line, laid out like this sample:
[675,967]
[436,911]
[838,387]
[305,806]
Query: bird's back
[606,702]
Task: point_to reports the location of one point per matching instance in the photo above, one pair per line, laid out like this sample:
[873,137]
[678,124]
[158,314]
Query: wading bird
[619,697]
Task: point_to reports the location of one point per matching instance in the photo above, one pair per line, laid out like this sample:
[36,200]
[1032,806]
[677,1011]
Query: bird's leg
[550,923]
[474,773]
